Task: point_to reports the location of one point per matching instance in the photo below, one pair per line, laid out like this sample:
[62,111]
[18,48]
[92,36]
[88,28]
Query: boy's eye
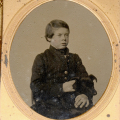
[66,34]
[59,34]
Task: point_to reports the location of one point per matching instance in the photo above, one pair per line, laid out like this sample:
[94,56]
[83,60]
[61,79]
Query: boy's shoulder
[74,54]
[41,55]
[47,52]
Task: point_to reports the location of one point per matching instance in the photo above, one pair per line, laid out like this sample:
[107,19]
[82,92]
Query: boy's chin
[63,47]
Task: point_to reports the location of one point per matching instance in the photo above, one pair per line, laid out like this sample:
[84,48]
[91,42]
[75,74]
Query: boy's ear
[49,39]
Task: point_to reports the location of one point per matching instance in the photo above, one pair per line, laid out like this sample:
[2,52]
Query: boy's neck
[57,48]
[63,51]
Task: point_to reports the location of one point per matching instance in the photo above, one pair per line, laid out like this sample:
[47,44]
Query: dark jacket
[50,70]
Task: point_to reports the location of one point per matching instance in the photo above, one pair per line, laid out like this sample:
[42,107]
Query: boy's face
[60,38]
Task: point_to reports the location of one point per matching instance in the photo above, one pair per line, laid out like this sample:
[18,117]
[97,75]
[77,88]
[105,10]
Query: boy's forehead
[60,30]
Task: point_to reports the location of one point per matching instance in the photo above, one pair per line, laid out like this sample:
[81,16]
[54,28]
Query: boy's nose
[63,38]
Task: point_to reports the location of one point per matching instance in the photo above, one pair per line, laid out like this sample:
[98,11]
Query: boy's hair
[49,32]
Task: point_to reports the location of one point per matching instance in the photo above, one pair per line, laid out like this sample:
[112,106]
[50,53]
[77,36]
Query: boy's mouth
[64,44]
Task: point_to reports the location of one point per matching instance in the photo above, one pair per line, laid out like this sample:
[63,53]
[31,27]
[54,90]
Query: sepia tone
[85,30]
[108,114]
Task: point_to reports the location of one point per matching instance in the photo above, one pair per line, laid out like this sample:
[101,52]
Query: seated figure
[61,87]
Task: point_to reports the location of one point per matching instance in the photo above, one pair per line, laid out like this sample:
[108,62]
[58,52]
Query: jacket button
[65,78]
[66,72]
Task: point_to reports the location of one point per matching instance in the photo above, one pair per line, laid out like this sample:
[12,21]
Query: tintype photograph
[61,60]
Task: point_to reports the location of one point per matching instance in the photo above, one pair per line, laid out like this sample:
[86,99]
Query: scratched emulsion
[6,60]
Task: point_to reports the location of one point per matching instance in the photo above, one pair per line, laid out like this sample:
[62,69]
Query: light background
[87,38]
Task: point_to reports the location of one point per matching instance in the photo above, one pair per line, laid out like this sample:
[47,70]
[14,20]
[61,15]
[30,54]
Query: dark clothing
[50,70]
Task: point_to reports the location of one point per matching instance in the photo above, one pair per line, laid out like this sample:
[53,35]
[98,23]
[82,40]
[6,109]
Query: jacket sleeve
[40,88]
[82,74]
[80,69]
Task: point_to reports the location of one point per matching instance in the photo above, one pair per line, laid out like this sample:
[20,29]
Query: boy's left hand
[81,100]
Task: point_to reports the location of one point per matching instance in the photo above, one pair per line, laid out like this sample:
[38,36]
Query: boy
[56,74]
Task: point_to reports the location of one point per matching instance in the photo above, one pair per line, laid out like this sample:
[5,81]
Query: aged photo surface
[61,60]
[60,84]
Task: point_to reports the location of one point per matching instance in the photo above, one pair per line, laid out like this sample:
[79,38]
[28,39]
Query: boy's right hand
[68,86]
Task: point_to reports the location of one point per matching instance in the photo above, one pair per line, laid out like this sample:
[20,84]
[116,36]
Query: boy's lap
[55,112]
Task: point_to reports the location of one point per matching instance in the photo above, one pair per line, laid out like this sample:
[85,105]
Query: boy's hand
[68,86]
[81,100]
